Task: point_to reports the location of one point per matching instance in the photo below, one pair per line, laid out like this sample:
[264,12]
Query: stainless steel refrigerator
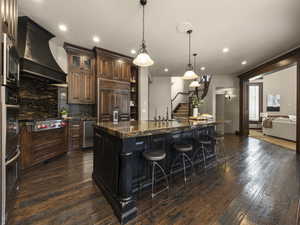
[9,108]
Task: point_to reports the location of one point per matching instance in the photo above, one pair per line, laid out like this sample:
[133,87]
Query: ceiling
[253,30]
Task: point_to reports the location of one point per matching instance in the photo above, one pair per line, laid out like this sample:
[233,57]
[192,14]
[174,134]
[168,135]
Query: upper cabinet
[81,75]
[79,62]
[9,17]
[112,66]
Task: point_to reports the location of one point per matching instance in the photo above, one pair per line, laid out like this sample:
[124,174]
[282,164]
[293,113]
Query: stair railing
[178,94]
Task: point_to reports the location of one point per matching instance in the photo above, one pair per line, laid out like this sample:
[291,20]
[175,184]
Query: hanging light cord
[143,24]
[189,46]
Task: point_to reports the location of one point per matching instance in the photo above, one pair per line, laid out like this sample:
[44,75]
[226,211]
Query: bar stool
[182,150]
[154,157]
[200,150]
[203,142]
[220,146]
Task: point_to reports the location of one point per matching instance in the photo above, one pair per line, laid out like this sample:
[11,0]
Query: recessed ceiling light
[203,68]
[133,51]
[96,39]
[225,50]
[166,70]
[244,62]
[63,27]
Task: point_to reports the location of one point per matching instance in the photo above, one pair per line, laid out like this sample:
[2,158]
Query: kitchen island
[119,167]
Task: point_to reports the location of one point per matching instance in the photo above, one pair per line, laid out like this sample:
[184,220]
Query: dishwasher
[88,134]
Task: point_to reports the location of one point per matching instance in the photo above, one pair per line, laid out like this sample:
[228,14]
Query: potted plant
[196,103]
[64,113]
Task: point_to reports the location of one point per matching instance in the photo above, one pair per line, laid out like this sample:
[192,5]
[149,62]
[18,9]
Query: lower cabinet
[37,147]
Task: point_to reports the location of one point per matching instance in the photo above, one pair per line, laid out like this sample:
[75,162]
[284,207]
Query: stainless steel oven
[11,63]
[11,131]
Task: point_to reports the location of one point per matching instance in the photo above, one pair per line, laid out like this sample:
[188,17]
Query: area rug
[276,141]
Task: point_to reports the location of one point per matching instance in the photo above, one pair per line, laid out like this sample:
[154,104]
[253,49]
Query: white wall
[159,96]
[161,91]
[231,107]
[143,93]
[178,85]
[284,83]
[220,115]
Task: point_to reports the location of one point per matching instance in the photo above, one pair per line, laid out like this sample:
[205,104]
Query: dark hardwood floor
[259,184]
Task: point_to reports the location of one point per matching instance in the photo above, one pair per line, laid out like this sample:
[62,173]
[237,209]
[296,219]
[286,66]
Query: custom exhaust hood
[36,57]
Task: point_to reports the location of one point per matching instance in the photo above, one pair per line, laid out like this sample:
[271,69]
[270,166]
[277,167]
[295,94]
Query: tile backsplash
[38,99]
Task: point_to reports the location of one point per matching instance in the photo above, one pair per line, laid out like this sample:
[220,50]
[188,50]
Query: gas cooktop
[48,124]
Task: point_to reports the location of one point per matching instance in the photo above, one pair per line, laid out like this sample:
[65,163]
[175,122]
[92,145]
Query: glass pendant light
[189,74]
[143,59]
[195,83]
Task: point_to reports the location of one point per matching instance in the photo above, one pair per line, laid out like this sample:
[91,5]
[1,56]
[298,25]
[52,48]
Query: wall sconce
[228,96]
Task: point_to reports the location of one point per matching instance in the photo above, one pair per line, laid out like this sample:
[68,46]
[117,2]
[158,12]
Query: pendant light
[143,59]
[189,73]
[195,83]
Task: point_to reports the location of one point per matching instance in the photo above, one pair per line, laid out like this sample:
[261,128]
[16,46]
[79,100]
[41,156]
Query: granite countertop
[145,128]
[82,118]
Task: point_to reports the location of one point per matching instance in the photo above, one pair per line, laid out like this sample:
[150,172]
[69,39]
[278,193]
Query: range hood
[36,57]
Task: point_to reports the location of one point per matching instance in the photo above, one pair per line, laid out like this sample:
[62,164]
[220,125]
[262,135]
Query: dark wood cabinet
[112,66]
[109,100]
[104,68]
[81,75]
[116,77]
[74,87]
[121,100]
[9,17]
[89,88]
[38,147]
[115,74]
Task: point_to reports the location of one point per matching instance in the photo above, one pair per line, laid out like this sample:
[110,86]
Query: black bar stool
[182,150]
[203,142]
[200,151]
[154,157]
[220,146]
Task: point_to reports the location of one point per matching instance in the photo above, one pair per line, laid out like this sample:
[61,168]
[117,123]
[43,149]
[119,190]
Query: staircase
[182,111]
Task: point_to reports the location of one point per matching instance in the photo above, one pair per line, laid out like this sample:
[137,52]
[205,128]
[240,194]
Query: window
[253,103]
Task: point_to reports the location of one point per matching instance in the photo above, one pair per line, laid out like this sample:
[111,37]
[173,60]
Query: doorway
[287,60]
[272,107]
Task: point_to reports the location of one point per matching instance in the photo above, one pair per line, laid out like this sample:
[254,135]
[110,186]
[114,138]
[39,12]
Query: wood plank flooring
[258,184]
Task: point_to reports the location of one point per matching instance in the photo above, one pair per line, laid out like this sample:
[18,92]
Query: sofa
[281,126]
